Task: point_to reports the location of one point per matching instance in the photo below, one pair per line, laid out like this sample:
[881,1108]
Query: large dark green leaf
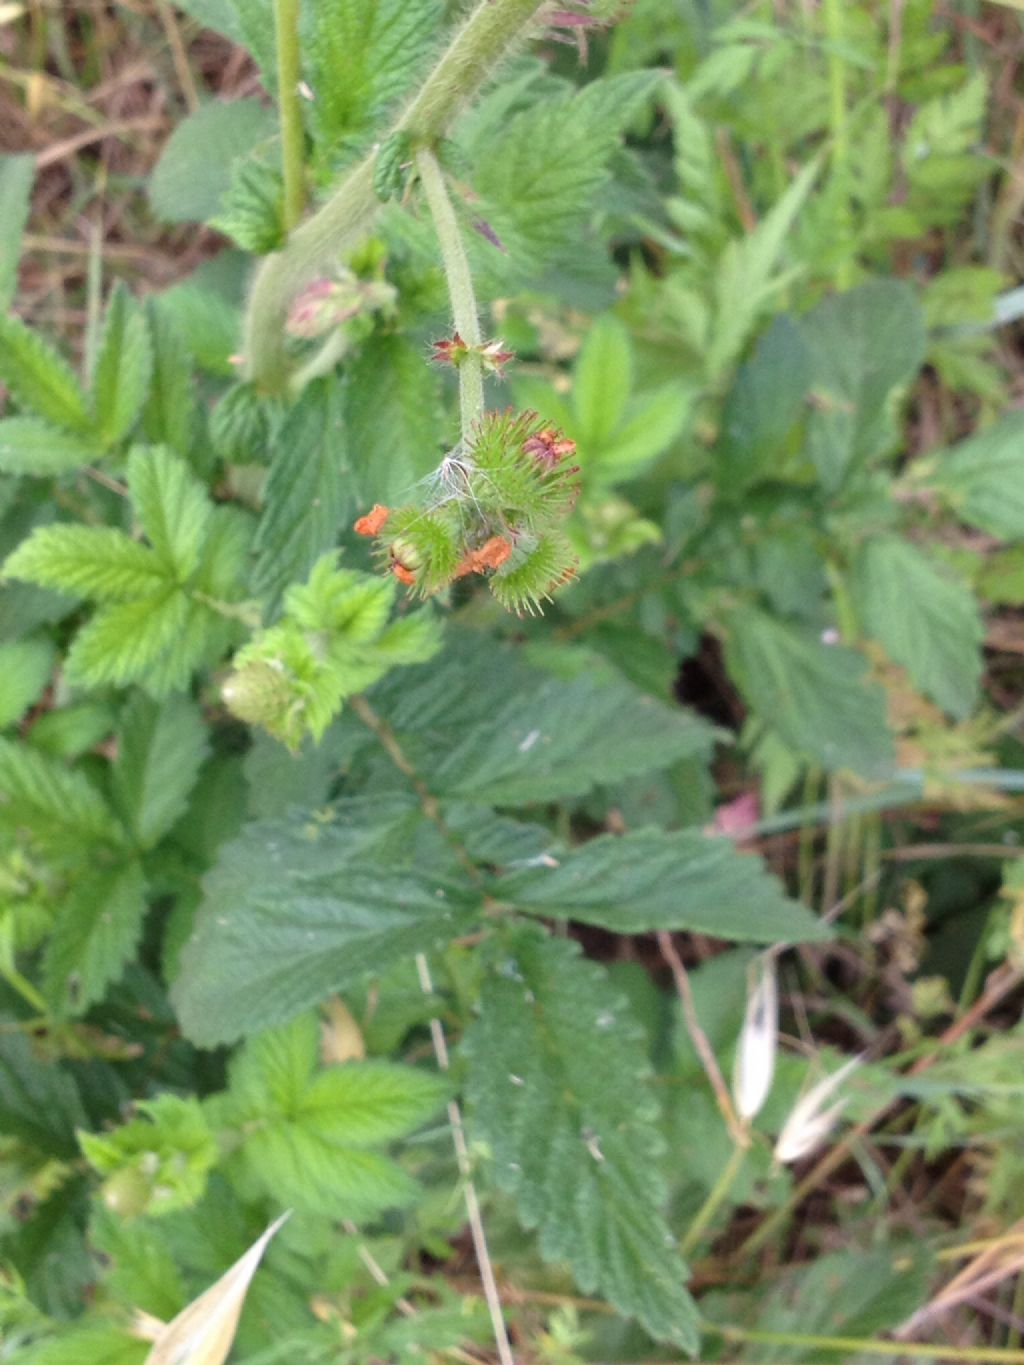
[305,497]
[926,619]
[482,725]
[983,478]
[39,1103]
[652,880]
[817,696]
[308,904]
[865,345]
[559,1091]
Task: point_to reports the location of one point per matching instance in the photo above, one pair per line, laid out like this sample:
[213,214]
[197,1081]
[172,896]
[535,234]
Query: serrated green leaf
[297,908]
[361,58]
[61,807]
[305,499]
[141,1272]
[70,730]
[865,345]
[17,172]
[252,208]
[125,641]
[95,1343]
[191,178]
[815,695]
[764,408]
[361,1104]
[602,380]
[39,1101]
[25,667]
[29,446]
[651,424]
[206,310]
[646,880]
[160,749]
[95,933]
[204,637]
[483,726]
[249,23]
[172,506]
[299,1169]
[749,273]
[982,478]
[304,1132]
[559,1089]
[123,367]
[393,418]
[925,619]
[39,378]
[89,561]
[169,411]
[272,1070]
[537,179]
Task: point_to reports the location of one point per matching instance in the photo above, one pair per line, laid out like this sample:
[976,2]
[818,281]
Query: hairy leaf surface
[927,620]
[96,932]
[302,906]
[815,695]
[559,1090]
[649,879]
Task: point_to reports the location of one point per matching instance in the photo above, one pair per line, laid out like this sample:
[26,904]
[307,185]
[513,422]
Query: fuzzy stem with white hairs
[492,30]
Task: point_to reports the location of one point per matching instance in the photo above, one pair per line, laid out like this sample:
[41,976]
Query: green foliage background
[263,819]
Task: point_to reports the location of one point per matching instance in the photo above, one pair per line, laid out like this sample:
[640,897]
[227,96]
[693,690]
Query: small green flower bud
[127,1192]
[258,692]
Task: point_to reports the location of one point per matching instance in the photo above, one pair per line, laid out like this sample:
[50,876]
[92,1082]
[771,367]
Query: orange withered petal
[403,574]
[490,555]
[372,524]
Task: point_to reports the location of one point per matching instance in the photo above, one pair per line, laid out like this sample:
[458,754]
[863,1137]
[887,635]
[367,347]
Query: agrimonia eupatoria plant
[236,962]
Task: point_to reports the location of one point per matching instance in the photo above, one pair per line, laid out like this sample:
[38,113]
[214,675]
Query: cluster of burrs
[496,506]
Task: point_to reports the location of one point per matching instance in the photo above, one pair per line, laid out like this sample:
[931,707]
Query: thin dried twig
[699,1038]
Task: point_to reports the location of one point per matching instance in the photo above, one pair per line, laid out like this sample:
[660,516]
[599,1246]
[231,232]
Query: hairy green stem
[460,288]
[833,12]
[286,28]
[25,989]
[487,36]
[974,1355]
[717,1195]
